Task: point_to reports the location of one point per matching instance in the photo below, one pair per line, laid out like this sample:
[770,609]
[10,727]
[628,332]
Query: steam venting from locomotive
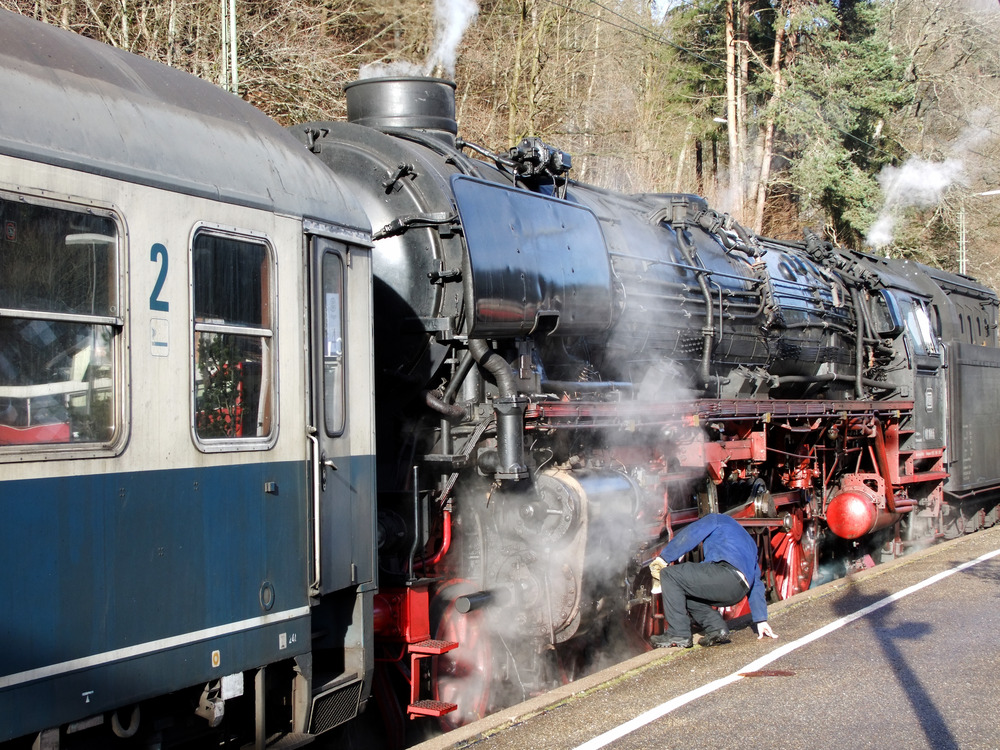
[922,183]
[918,183]
[451,19]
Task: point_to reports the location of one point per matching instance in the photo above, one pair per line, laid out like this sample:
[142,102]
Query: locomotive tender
[368,414]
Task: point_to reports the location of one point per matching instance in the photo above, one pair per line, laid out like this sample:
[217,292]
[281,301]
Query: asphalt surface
[918,671]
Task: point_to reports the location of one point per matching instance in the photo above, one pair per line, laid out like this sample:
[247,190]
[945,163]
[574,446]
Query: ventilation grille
[335,707]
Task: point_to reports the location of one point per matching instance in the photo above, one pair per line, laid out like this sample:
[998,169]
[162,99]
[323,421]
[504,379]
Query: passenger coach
[186,480]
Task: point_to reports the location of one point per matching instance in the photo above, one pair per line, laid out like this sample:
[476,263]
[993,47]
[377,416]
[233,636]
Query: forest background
[872,121]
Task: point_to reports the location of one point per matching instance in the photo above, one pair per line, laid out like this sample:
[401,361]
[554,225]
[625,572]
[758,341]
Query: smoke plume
[921,183]
[451,19]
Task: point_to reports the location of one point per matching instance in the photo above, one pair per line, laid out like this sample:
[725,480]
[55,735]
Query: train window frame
[884,307]
[209,331]
[918,323]
[333,366]
[100,367]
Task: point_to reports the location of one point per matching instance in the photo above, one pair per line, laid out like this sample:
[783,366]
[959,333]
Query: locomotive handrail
[721,409]
[688,267]
[751,280]
[500,161]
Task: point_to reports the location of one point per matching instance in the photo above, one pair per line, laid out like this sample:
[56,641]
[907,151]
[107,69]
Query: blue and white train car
[186,457]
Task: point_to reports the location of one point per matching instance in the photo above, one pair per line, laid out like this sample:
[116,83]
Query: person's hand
[655,567]
[764,629]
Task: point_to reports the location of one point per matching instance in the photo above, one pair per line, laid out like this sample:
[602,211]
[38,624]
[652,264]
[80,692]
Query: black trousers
[697,588]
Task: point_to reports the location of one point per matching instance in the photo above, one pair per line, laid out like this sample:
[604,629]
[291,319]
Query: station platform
[902,654]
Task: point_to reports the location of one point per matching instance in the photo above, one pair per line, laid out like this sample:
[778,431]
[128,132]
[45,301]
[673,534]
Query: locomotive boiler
[566,374]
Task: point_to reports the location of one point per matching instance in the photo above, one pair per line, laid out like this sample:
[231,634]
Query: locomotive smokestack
[413,103]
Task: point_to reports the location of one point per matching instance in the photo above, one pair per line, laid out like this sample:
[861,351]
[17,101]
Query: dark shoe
[667,641]
[715,639]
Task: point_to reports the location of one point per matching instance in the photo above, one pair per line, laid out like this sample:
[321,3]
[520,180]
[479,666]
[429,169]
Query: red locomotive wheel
[793,559]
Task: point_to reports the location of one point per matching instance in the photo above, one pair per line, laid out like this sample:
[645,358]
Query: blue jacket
[723,540]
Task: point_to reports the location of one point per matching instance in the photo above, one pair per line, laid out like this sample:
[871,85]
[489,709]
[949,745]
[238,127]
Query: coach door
[341,434]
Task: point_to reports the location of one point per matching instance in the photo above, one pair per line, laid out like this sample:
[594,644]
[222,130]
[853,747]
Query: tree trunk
[589,101]
[68,12]
[538,23]
[699,167]
[125,43]
[765,162]
[683,156]
[513,95]
[733,124]
[742,84]
[172,32]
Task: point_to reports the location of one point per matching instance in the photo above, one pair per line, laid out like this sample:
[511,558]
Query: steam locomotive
[368,415]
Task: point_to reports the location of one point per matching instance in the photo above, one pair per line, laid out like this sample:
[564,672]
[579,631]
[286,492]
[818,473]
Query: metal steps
[430,708]
[432,647]
[418,651]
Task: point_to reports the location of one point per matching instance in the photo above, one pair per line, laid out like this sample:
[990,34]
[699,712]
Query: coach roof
[70,101]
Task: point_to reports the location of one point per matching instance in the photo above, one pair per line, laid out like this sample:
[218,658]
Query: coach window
[333,343]
[234,388]
[60,325]
[918,323]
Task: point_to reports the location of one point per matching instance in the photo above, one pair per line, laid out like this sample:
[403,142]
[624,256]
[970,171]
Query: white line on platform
[662,710]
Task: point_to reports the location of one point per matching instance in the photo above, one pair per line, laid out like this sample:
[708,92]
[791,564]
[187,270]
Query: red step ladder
[417,652]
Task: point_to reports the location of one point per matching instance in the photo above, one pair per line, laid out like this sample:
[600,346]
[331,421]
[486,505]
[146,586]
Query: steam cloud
[921,183]
[451,19]
[918,183]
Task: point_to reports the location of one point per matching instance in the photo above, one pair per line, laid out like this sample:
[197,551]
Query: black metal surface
[537,263]
[416,103]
